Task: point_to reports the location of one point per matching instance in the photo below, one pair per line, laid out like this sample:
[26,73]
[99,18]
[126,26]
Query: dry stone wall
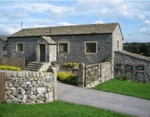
[29,87]
[134,66]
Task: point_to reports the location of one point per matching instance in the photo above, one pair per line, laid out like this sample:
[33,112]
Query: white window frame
[96,42]
[64,42]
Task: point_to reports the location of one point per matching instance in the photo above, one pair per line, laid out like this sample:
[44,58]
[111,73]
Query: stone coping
[28,74]
[134,55]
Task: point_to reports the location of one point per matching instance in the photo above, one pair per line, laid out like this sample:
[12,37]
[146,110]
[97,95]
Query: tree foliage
[138,48]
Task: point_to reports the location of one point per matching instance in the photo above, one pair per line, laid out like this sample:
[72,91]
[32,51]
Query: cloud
[145,31]
[15,16]
[65,24]
[39,7]
[142,17]
[8,29]
[98,22]
[147,22]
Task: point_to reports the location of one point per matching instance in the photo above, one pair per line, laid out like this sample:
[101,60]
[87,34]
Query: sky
[132,15]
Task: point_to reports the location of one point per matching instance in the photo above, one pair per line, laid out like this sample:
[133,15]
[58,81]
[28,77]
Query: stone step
[36,63]
[34,66]
[32,69]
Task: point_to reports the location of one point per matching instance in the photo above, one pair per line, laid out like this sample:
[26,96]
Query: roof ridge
[71,25]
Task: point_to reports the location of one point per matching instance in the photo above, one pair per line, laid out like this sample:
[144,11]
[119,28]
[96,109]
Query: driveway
[119,103]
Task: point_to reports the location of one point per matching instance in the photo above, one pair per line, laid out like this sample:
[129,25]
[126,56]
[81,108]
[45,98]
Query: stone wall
[102,70]
[2,44]
[30,87]
[134,66]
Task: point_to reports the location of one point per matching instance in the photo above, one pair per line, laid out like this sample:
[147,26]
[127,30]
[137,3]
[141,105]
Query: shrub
[66,78]
[137,79]
[70,64]
[44,71]
[5,67]
[65,64]
[124,77]
[106,59]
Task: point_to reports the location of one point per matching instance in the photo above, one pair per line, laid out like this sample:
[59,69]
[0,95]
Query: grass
[140,90]
[55,109]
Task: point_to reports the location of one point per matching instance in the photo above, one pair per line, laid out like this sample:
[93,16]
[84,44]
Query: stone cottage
[87,44]
[3,48]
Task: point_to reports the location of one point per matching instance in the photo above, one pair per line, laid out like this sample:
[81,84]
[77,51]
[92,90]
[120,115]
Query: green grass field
[55,109]
[140,90]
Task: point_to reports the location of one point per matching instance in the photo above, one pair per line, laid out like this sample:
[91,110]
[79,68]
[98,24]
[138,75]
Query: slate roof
[67,30]
[3,37]
[49,39]
[135,55]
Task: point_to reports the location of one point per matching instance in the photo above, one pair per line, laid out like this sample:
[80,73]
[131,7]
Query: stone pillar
[55,82]
[112,64]
[81,75]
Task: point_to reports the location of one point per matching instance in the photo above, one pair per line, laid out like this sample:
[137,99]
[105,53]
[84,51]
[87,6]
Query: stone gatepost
[81,75]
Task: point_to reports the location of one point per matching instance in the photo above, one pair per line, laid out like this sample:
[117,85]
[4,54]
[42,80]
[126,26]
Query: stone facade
[136,67]
[76,48]
[30,87]
[2,44]
[103,68]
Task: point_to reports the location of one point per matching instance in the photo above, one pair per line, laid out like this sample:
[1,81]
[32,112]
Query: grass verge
[140,90]
[55,109]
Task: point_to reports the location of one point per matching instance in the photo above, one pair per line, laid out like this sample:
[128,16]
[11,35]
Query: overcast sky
[133,16]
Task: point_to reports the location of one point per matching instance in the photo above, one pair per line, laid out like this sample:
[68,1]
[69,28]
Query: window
[63,47]
[90,47]
[4,50]
[20,47]
[118,44]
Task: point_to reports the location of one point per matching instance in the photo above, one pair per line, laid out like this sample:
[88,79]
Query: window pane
[91,47]
[63,47]
[20,47]
[4,50]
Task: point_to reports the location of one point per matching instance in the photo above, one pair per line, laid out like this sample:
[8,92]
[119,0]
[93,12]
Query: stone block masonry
[30,87]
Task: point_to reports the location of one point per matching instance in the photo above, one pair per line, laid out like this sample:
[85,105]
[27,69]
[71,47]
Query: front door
[42,52]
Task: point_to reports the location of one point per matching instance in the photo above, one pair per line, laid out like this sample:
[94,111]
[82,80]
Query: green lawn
[55,109]
[140,90]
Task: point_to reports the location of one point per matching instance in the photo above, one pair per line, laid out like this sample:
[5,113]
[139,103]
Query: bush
[5,67]
[70,64]
[44,71]
[66,78]
[124,77]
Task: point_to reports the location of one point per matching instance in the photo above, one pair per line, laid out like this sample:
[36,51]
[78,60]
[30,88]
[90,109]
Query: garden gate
[2,87]
[92,73]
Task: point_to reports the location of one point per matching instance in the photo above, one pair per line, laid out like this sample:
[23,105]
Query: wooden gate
[2,87]
[92,73]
